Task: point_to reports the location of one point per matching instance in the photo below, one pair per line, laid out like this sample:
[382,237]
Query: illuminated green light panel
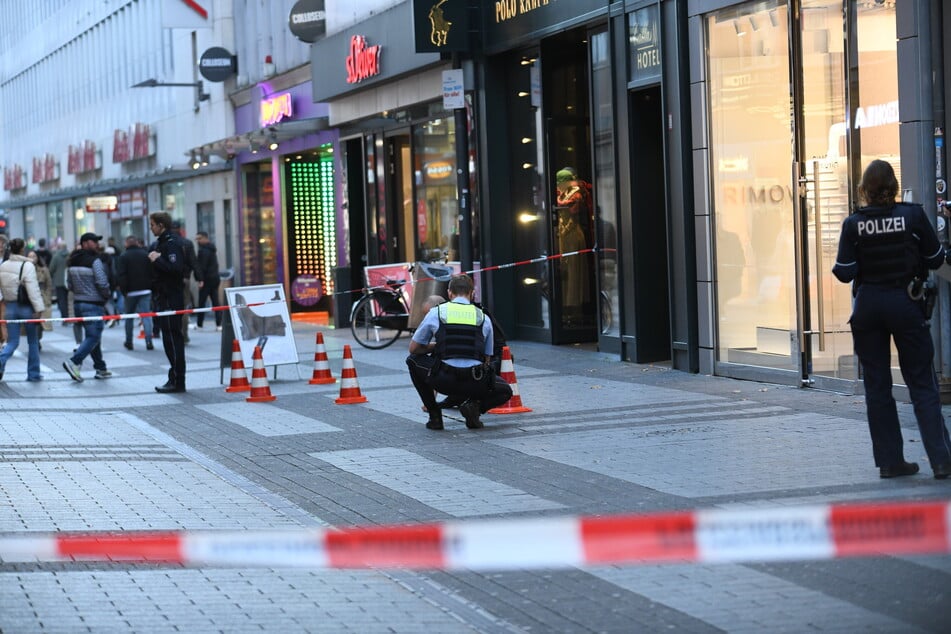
[315,219]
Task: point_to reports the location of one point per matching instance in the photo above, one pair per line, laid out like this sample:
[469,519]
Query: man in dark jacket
[87,279]
[134,270]
[168,263]
[208,268]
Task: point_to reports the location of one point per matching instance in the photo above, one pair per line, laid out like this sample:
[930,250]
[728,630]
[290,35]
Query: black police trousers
[879,314]
[428,374]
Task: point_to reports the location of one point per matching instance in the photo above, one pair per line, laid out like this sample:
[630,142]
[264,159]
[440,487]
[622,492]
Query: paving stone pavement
[603,437]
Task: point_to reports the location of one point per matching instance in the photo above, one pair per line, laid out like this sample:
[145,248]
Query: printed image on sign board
[261,311]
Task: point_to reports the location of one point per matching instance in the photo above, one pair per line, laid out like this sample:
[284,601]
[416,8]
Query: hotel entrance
[784,176]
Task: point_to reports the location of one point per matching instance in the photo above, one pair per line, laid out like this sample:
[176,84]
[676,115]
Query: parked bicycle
[381,315]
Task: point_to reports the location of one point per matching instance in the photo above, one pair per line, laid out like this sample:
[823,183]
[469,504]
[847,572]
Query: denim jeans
[90,345]
[17,311]
[138,304]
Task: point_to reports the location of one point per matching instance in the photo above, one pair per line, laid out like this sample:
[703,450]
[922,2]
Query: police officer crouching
[887,249]
[457,363]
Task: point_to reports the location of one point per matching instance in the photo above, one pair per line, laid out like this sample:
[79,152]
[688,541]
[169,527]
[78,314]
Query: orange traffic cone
[260,392]
[349,388]
[141,334]
[514,404]
[322,373]
[239,375]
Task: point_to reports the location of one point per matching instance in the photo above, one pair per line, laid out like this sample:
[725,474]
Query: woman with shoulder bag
[17,272]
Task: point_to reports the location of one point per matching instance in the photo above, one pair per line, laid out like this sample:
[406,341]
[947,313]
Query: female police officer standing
[884,247]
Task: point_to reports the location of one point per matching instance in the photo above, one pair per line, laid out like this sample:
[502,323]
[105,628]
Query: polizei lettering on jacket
[877,226]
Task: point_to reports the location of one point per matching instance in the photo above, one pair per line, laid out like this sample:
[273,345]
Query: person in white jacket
[15,271]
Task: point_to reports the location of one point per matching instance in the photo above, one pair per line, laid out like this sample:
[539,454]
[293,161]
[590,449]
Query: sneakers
[149,346]
[103,374]
[217,328]
[470,411]
[72,370]
[128,345]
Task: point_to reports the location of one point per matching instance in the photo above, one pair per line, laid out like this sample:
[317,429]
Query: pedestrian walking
[58,273]
[134,273]
[168,264]
[88,280]
[46,292]
[15,272]
[887,250]
[457,363]
[211,279]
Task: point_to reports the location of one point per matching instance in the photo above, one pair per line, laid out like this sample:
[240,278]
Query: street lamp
[200,94]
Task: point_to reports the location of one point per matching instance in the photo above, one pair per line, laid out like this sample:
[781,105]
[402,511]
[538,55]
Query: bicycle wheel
[378,320]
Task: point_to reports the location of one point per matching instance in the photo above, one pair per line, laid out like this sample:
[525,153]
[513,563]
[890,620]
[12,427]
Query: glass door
[778,206]
[822,186]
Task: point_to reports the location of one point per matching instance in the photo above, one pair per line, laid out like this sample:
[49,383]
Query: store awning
[229,147]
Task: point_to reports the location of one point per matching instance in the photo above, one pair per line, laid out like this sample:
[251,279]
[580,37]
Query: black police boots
[435,419]
[170,388]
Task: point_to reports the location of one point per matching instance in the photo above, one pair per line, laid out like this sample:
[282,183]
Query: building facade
[99,103]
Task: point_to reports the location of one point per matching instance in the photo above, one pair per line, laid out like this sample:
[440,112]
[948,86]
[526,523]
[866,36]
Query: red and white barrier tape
[497,267]
[706,536]
[164,313]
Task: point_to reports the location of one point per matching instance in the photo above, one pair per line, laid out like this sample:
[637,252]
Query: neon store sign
[275,109]
[363,61]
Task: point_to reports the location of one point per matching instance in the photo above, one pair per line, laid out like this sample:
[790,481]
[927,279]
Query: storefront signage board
[441,26]
[308,20]
[506,22]
[644,40]
[102,203]
[276,108]
[217,64]
[363,61]
[389,31]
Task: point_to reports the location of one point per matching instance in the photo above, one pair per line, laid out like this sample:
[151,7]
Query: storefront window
[311,231]
[605,182]
[437,208]
[82,220]
[875,115]
[173,200]
[259,247]
[750,163]
[54,220]
[528,183]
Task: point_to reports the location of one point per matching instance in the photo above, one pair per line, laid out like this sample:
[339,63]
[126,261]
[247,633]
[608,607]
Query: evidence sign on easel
[269,318]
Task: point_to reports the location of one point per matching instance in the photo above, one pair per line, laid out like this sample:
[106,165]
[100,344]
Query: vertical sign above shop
[441,26]
[644,41]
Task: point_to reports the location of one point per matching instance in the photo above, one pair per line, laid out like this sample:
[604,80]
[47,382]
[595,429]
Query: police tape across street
[816,532]
[191,311]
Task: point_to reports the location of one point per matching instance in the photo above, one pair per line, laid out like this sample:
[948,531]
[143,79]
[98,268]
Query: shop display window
[259,240]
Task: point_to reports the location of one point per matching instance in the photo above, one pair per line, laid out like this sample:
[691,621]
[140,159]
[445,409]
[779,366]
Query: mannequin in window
[573,205]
